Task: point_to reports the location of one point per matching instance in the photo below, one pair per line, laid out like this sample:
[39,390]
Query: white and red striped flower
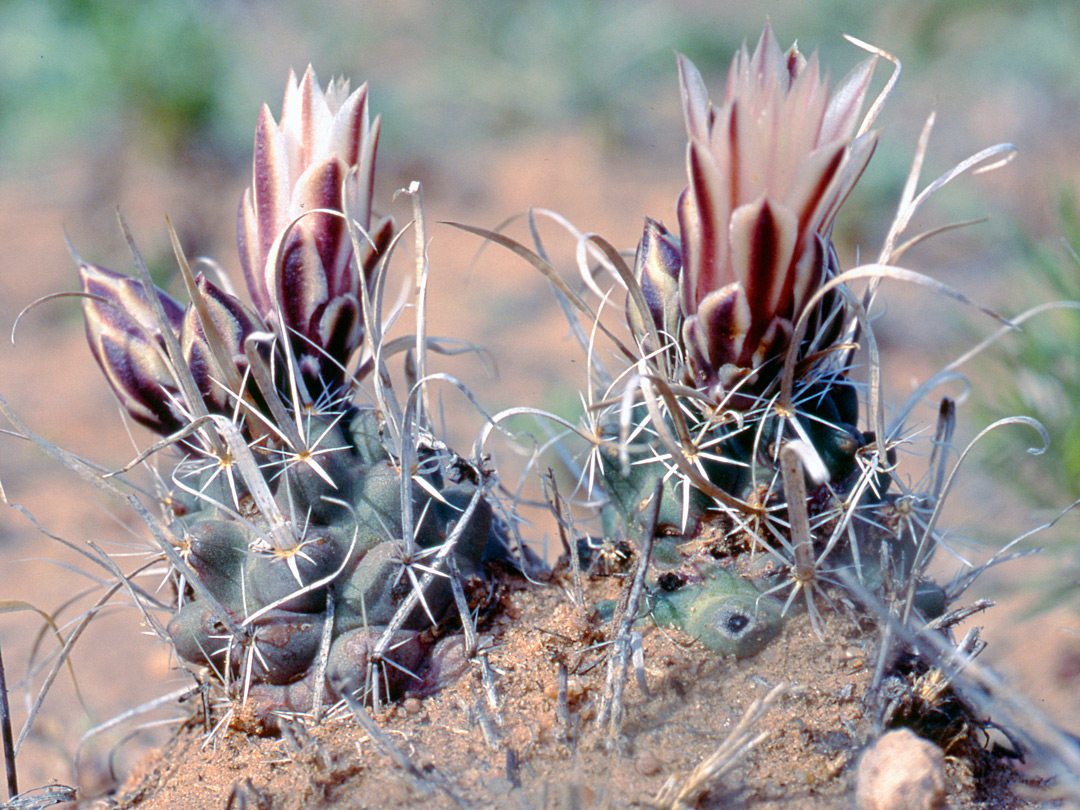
[300,269]
[768,168]
[320,157]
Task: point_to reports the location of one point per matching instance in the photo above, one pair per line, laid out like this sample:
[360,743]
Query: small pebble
[901,771]
[574,688]
[412,705]
[647,764]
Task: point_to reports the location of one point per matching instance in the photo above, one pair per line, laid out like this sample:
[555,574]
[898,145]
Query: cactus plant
[313,538]
[741,410]
[308,535]
[745,341]
[740,406]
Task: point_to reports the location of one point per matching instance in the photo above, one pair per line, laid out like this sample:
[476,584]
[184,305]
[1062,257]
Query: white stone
[901,771]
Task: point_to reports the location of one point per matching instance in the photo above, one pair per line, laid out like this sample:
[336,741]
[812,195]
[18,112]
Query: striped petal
[125,337]
[767,171]
[763,238]
[233,323]
[320,156]
[716,336]
[657,267]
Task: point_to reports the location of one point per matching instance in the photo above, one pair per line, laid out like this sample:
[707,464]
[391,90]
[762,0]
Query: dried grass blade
[324,656]
[61,660]
[136,597]
[742,739]
[943,434]
[5,734]
[54,296]
[925,546]
[225,368]
[566,534]
[468,623]
[1011,327]
[791,467]
[962,583]
[563,301]
[611,707]
[416,192]
[16,605]
[176,696]
[636,295]
[193,399]
[161,533]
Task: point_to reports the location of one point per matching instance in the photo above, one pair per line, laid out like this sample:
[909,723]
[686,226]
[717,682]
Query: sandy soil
[520,743]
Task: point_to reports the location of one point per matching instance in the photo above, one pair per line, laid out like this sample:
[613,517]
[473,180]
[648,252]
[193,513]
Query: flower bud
[126,340]
[233,323]
[657,267]
[321,156]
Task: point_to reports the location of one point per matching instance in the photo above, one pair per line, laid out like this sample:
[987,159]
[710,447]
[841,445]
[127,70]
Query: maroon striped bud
[125,337]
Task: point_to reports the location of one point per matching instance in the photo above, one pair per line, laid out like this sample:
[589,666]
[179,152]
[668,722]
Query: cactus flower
[125,338]
[320,156]
[303,279]
[768,169]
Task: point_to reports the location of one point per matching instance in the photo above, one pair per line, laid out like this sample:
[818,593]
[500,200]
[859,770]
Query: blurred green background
[180,81]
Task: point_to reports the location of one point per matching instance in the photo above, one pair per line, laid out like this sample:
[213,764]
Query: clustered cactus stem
[312,540]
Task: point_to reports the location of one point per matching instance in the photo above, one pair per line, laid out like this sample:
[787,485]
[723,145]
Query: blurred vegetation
[81,72]
[1037,371]
[165,73]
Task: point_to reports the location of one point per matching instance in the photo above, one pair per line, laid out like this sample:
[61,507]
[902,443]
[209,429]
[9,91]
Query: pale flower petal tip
[657,267]
[311,170]
[125,338]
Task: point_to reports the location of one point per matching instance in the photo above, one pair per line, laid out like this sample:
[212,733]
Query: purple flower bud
[126,340]
[657,267]
[233,323]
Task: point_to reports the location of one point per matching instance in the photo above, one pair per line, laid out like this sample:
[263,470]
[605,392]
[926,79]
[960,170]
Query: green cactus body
[351,550]
[723,611]
[721,605]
